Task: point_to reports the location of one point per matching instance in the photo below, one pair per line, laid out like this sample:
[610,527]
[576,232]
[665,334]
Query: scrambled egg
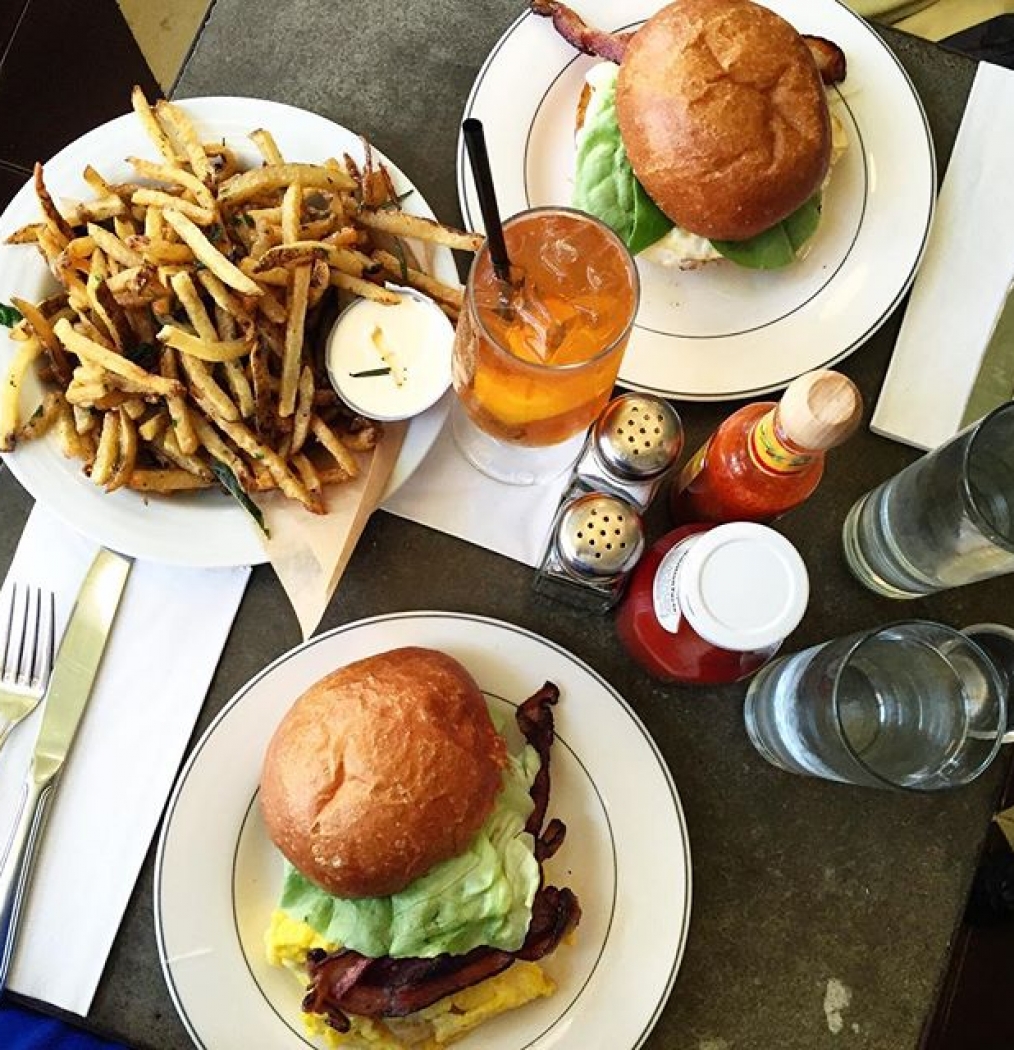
[287,941]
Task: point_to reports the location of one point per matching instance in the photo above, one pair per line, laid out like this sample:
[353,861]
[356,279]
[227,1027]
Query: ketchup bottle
[710,604]
[768,457]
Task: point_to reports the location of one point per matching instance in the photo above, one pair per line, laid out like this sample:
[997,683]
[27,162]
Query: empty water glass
[945,520]
[913,705]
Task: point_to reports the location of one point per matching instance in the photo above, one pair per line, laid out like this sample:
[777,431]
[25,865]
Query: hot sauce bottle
[768,457]
[710,604]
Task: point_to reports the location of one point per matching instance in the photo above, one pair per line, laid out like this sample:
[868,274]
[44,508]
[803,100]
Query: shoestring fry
[177,353]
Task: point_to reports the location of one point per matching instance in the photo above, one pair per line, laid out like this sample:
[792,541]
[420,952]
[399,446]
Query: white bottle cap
[743,587]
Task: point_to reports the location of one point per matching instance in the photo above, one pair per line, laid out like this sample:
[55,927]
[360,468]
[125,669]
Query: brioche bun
[380,771]
[723,116]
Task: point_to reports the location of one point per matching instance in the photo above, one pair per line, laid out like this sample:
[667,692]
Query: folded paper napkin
[940,378]
[448,494]
[169,633]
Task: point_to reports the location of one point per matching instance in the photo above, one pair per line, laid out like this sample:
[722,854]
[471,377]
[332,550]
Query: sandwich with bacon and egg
[413,906]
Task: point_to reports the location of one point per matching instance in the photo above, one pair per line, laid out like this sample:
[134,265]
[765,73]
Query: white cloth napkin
[964,278]
[162,652]
[447,493]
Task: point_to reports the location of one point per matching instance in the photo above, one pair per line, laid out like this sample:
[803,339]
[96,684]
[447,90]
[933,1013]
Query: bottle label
[772,455]
[665,586]
[693,467]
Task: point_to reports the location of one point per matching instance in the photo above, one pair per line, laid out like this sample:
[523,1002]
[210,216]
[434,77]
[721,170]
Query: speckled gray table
[798,885]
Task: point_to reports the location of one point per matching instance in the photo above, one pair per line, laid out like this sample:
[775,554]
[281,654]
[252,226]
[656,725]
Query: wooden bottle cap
[820,410]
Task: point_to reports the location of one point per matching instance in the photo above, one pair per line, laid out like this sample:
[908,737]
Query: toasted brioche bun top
[723,116]
[380,771]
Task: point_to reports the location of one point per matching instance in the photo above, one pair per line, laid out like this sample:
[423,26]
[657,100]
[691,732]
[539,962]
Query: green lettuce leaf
[605,184]
[606,187]
[778,246]
[482,897]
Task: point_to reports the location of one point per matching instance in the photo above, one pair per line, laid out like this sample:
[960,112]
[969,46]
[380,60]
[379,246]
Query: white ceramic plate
[724,332]
[626,853]
[205,528]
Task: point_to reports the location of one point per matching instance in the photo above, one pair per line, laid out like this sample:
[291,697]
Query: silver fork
[27,654]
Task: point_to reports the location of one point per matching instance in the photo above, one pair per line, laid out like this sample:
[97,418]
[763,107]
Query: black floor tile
[10,14]
[69,67]
[10,182]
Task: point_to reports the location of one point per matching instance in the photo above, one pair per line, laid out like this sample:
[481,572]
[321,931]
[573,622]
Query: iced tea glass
[535,363]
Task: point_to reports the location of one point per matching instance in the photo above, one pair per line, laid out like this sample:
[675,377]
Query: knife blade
[77,664]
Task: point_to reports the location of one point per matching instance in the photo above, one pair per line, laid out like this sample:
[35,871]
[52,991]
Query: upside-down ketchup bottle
[711,604]
[768,457]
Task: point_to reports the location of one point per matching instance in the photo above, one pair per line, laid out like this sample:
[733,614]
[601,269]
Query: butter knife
[77,664]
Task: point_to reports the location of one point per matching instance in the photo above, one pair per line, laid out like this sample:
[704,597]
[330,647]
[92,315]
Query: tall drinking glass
[914,705]
[945,520]
[534,365]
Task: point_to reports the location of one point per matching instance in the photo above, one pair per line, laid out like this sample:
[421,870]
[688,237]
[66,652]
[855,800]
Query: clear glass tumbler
[534,364]
[914,705]
[945,520]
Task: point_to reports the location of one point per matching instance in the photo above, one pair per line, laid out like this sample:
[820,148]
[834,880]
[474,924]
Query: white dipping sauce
[406,346]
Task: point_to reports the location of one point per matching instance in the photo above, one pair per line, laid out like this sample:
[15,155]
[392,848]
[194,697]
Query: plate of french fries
[167,282]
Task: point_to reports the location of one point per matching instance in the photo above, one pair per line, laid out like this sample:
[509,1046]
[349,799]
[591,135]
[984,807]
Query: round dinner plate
[722,331]
[626,853]
[206,528]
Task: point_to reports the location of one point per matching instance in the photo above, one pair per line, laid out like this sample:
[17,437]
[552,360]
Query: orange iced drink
[534,364]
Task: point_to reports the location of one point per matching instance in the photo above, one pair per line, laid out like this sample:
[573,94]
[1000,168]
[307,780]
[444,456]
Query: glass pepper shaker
[595,541]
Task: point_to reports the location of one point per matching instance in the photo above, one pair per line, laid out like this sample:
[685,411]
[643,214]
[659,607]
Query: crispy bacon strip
[828,56]
[587,39]
[535,720]
[346,982]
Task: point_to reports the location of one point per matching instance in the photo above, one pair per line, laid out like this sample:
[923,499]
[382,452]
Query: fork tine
[25,647]
[42,660]
[10,630]
[33,642]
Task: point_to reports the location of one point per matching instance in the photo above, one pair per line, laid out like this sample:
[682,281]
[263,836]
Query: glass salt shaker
[631,448]
[595,541]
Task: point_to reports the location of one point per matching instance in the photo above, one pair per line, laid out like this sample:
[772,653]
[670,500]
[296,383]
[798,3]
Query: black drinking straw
[475,143]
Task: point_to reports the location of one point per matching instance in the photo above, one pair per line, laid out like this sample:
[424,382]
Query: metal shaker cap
[599,536]
[638,436]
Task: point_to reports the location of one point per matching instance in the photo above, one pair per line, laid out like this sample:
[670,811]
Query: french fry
[159,199]
[401,224]
[286,480]
[167,444]
[43,331]
[179,126]
[113,246]
[89,350]
[42,420]
[174,176]
[364,289]
[304,410]
[293,253]
[151,126]
[108,450]
[292,207]
[54,220]
[166,480]
[10,393]
[208,254]
[219,450]
[435,289]
[333,443]
[258,181]
[294,327]
[26,234]
[206,349]
[127,452]
[180,416]
[265,142]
